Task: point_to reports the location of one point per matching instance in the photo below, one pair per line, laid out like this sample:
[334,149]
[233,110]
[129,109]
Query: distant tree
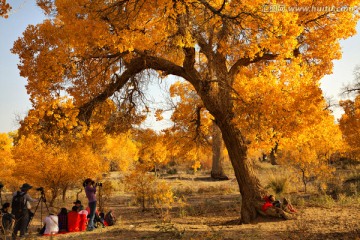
[55,150]
[309,151]
[121,150]
[54,168]
[6,161]
[193,123]
[350,120]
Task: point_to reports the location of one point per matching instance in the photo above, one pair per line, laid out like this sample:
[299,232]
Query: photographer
[20,209]
[90,190]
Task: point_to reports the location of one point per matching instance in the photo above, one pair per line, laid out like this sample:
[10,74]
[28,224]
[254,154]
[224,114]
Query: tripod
[1,196]
[41,200]
[1,188]
[100,199]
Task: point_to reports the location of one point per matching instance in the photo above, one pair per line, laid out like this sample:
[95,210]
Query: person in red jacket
[275,208]
[74,220]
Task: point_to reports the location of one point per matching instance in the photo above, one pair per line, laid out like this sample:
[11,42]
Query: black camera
[40,189]
[99,184]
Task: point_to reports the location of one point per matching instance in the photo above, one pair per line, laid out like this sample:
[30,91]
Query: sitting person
[63,220]
[274,208]
[51,224]
[78,204]
[102,218]
[287,206]
[97,218]
[74,220]
[7,218]
[109,218]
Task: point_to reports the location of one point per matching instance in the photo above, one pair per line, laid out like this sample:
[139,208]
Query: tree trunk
[77,193]
[304,179]
[54,195]
[249,185]
[217,171]
[218,101]
[272,154]
[64,193]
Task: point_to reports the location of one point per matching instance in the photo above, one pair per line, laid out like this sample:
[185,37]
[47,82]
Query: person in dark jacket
[63,220]
[22,216]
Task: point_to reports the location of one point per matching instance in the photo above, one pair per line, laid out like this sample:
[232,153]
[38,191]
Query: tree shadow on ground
[198,179]
[170,231]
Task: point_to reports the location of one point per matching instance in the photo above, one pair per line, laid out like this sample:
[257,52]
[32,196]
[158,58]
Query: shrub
[172,171]
[184,191]
[352,184]
[322,201]
[148,190]
[278,184]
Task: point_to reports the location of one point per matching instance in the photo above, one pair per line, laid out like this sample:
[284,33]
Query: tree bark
[218,101]
[249,185]
[54,195]
[217,171]
[272,154]
[64,193]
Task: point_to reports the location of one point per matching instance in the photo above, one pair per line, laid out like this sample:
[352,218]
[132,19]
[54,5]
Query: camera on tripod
[40,189]
[41,201]
[1,187]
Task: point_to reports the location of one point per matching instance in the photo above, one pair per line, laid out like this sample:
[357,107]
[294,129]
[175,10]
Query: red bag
[83,222]
[73,221]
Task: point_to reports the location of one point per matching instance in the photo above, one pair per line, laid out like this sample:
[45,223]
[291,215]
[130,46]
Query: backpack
[110,218]
[18,203]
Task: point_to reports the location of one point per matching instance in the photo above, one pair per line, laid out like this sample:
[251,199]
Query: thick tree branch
[136,66]
[189,61]
[243,62]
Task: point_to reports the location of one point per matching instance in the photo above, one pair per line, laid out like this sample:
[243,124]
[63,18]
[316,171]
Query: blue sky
[14,100]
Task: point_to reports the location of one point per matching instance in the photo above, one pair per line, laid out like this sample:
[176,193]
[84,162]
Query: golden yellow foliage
[153,152]
[6,161]
[52,166]
[276,101]
[190,136]
[350,125]
[148,190]
[122,150]
[310,150]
